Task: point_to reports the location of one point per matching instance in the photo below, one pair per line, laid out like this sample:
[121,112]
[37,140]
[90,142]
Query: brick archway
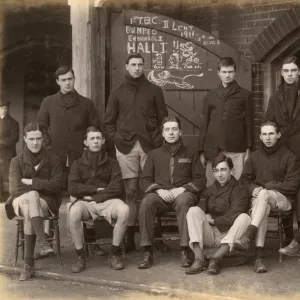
[279,30]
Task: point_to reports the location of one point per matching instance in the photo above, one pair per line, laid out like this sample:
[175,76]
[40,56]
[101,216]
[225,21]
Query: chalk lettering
[131,47]
[166,24]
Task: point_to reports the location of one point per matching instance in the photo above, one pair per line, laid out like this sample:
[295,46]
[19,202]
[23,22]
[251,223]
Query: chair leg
[280,229]
[17,243]
[22,238]
[57,239]
[85,245]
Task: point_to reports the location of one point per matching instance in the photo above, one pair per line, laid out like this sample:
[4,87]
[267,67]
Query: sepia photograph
[150,149]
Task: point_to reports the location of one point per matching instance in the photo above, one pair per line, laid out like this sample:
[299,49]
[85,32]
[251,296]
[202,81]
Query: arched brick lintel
[280,28]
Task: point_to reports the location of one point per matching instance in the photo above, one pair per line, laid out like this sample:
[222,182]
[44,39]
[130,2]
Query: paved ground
[281,281]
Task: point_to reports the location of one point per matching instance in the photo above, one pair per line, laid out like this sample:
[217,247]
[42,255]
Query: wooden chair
[54,236]
[280,216]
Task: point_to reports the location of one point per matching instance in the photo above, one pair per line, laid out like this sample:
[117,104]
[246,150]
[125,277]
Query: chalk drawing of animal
[165,77]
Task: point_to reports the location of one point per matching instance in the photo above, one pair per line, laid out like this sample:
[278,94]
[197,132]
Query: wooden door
[180,58]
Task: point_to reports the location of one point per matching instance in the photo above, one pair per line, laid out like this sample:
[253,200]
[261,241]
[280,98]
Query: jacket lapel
[297,107]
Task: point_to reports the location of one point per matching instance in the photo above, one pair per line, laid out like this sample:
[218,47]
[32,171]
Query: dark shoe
[27,273]
[197,266]
[97,250]
[214,266]
[185,259]
[129,246]
[79,265]
[242,244]
[161,246]
[293,249]
[260,266]
[116,262]
[46,249]
[147,261]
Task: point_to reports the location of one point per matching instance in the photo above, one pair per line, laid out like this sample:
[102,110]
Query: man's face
[227,75]
[135,67]
[290,73]
[269,136]
[66,82]
[94,141]
[3,111]
[33,140]
[222,173]
[171,132]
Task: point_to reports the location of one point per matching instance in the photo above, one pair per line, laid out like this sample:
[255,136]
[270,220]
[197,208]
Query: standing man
[95,180]
[35,181]
[228,118]
[272,176]
[284,109]
[134,113]
[172,179]
[65,116]
[9,136]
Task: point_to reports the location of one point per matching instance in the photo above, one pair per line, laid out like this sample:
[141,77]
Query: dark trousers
[152,204]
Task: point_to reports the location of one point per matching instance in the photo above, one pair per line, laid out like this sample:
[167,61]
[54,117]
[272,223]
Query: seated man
[224,221]
[293,249]
[35,178]
[272,176]
[173,178]
[96,182]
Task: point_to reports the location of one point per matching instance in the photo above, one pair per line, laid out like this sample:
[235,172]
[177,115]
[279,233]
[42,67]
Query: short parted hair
[270,123]
[222,158]
[171,119]
[63,70]
[32,126]
[291,59]
[93,129]
[134,55]
[226,62]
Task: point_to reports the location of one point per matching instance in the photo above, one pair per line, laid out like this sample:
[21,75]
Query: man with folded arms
[172,179]
[35,183]
[224,221]
[95,181]
[272,177]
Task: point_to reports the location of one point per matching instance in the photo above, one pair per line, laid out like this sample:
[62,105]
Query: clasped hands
[170,195]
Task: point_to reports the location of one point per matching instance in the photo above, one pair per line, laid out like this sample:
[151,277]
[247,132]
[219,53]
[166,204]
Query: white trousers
[206,235]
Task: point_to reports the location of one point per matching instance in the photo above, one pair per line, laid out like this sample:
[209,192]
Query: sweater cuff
[152,187]
[191,187]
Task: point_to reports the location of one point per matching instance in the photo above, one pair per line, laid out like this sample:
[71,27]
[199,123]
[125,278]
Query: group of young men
[66,148]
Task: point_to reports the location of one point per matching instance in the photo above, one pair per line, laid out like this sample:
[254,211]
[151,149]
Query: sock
[184,248]
[130,234]
[259,252]
[90,235]
[38,227]
[29,249]
[116,250]
[80,252]
[148,249]
[223,250]
[251,232]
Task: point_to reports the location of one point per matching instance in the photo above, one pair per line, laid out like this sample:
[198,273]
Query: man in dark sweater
[65,116]
[172,179]
[134,113]
[284,109]
[272,177]
[224,221]
[35,177]
[9,136]
[228,117]
[96,183]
